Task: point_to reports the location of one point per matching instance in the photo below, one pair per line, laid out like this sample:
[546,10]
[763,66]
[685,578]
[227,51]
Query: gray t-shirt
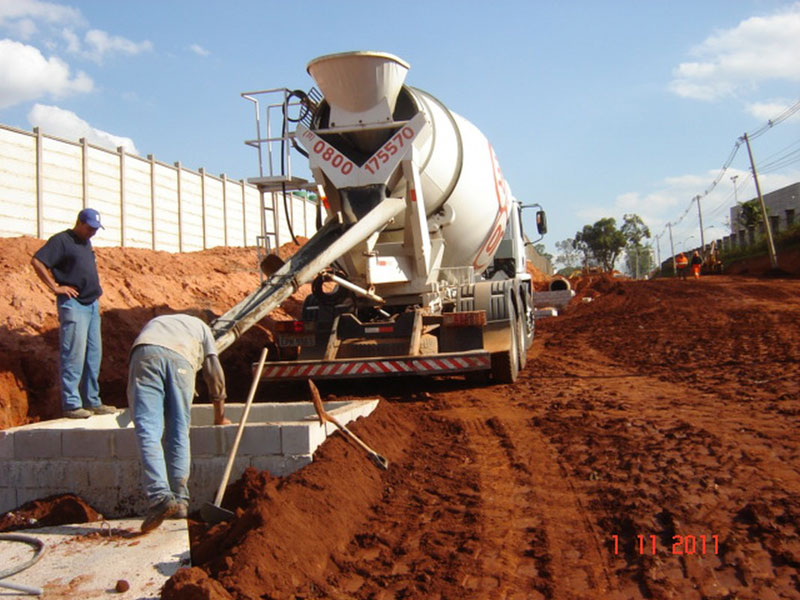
[186,335]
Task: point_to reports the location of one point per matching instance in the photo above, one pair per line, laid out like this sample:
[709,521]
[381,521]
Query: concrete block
[275,464]
[296,462]
[207,473]
[258,439]
[88,443]
[208,441]
[77,473]
[37,493]
[6,445]
[125,444]
[301,439]
[132,505]
[129,476]
[103,473]
[8,499]
[37,443]
[37,473]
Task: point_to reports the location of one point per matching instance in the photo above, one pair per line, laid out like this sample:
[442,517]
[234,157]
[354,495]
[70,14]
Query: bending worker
[66,265]
[164,360]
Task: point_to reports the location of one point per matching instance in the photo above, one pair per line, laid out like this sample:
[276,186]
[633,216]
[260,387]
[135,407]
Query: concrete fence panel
[17,184]
[45,181]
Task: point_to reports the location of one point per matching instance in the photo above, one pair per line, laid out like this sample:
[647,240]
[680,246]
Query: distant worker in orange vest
[697,262]
[682,264]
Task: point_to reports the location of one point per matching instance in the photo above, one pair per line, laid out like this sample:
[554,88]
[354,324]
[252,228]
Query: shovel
[379,460]
[214,513]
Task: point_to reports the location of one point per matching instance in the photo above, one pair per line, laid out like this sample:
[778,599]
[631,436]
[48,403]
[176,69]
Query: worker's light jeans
[160,392]
[81,352]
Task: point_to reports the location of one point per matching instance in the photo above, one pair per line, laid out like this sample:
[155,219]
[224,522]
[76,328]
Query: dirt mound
[47,512]
[138,284]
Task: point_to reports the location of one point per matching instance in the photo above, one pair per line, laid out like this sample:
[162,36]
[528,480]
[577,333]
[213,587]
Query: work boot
[78,413]
[156,515]
[103,409]
[182,512]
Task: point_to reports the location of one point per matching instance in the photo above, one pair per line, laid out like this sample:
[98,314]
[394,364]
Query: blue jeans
[81,352]
[160,393]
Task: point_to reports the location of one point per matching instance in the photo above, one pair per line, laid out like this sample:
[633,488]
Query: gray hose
[38,546]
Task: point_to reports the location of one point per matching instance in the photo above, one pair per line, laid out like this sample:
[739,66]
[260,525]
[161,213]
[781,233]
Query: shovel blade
[211,513]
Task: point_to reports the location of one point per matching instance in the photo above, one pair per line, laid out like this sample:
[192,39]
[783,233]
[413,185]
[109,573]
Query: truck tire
[522,341]
[505,365]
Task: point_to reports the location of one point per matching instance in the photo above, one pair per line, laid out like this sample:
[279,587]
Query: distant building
[783,210]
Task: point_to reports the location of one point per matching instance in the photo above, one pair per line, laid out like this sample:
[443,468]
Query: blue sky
[595,109]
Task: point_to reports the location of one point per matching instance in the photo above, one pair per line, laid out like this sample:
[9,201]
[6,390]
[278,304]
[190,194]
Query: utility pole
[672,250]
[658,248]
[773,257]
[702,237]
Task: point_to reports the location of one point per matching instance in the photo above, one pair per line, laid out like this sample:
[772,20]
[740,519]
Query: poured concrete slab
[86,560]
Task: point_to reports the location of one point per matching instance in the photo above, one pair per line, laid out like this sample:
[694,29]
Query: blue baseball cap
[91,217]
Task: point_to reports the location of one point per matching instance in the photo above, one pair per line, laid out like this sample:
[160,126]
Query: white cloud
[97,45]
[766,111]
[66,124]
[23,29]
[14,11]
[757,50]
[25,74]
[199,50]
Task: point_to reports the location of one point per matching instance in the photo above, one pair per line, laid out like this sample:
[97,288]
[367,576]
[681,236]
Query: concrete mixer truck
[418,267]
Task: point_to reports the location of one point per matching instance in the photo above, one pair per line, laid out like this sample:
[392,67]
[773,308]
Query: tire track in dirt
[661,459]
[421,539]
[535,523]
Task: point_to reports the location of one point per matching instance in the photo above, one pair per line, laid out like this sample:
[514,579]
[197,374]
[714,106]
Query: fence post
[180,214]
[244,213]
[85,171]
[152,200]
[225,207]
[39,177]
[203,203]
[121,152]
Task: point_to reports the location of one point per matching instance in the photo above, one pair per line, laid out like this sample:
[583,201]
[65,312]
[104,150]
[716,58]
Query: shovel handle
[237,439]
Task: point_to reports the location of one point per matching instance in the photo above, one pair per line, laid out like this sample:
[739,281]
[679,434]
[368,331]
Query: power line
[783,161]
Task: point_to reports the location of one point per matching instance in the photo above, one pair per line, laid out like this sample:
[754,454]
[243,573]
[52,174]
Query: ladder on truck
[275,176]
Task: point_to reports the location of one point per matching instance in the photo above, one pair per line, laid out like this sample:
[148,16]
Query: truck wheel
[505,365]
[522,346]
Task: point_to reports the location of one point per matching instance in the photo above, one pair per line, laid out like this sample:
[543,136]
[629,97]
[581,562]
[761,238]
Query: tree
[634,230]
[639,260]
[750,214]
[569,255]
[582,247]
[603,240]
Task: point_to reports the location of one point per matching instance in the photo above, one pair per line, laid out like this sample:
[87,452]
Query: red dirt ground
[649,449]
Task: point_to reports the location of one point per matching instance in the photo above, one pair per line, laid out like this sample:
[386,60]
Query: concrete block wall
[98,458]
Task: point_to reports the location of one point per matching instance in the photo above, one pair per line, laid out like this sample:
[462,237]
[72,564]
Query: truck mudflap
[447,363]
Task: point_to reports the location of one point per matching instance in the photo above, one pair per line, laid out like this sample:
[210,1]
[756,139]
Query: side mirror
[541,222]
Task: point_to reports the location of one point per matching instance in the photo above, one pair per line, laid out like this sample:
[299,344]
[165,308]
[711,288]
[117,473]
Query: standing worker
[164,359]
[682,264]
[697,263]
[67,266]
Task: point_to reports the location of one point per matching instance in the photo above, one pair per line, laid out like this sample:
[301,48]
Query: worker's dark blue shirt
[71,261]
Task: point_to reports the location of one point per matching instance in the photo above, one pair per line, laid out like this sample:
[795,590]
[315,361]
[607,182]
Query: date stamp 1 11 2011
[681,544]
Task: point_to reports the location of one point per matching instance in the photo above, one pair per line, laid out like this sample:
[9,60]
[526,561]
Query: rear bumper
[356,368]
